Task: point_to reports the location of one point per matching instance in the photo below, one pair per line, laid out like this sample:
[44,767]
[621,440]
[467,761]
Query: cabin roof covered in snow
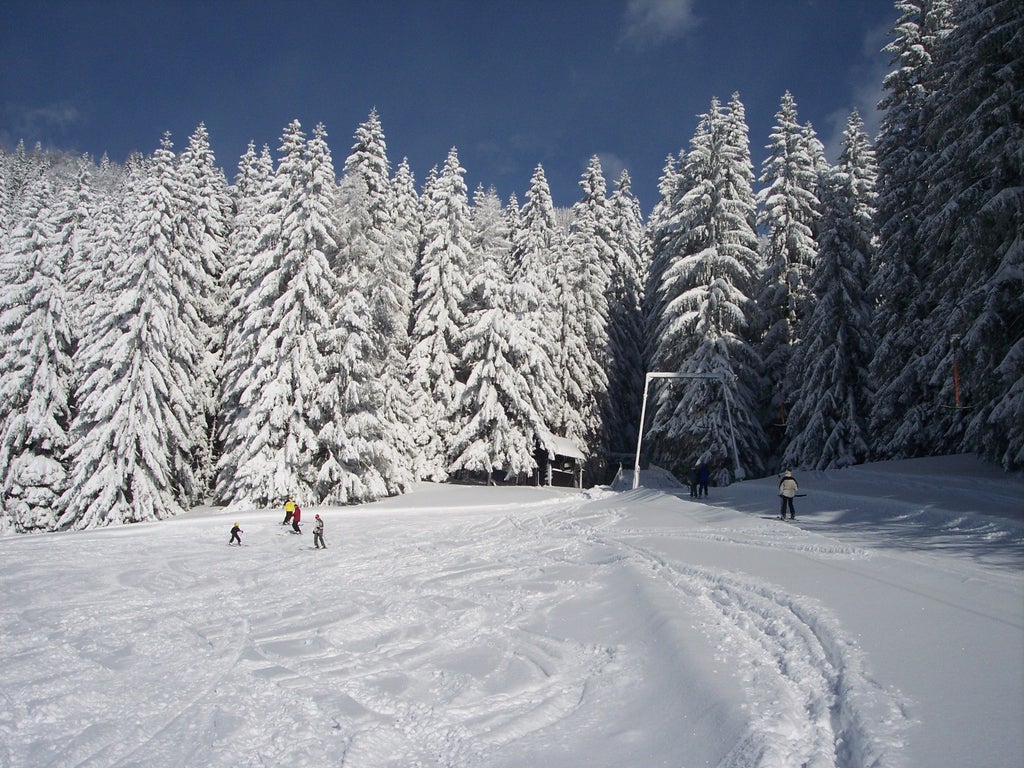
[566,447]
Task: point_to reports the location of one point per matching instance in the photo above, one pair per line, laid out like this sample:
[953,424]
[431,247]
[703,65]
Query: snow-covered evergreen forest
[338,333]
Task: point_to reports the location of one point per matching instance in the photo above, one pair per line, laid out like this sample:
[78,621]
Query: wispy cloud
[32,124]
[653,22]
[865,93]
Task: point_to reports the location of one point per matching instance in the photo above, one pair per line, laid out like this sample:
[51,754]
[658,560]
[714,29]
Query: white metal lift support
[643,415]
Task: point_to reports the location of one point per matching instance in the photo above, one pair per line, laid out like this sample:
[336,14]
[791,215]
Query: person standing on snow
[691,480]
[296,517]
[318,533]
[289,510]
[787,490]
[702,480]
[234,535]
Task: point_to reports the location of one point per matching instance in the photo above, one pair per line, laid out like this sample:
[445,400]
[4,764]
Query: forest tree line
[339,334]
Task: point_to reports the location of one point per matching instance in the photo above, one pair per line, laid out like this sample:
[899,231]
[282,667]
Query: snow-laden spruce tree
[788,213]
[708,311]
[377,254]
[660,234]
[362,462]
[537,248]
[391,308]
[252,196]
[901,412]
[499,410]
[76,211]
[205,196]
[625,317]
[828,424]
[282,408]
[513,222]
[973,217]
[490,238]
[134,442]
[35,382]
[438,321]
[580,352]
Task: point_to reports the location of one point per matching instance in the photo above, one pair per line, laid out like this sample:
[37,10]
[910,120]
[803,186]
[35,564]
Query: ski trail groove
[812,702]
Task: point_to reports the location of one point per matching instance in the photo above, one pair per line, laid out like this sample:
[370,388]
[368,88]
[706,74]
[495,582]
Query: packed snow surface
[526,627]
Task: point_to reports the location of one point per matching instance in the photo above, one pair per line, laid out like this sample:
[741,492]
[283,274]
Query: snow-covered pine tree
[35,382]
[901,271]
[205,196]
[252,199]
[788,213]
[500,410]
[392,313]
[490,239]
[828,425]
[438,321]
[513,222]
[708,313]
[363,463]
[973,216]
[537,249]
[133,441]
[282,408]
[580,353]
[625,317]
[76,211]
[660,233]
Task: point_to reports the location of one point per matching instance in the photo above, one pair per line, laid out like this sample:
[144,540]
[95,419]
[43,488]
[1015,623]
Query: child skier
[235,538]
[318,533]
[296,517]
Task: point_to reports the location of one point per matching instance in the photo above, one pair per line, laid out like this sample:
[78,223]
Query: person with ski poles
[235,530]
[318,533]
[788,487]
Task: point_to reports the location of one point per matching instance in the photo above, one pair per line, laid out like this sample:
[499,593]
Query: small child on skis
[296,517]
[235,538]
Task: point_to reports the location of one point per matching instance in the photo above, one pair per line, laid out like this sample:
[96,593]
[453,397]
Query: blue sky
[510,84]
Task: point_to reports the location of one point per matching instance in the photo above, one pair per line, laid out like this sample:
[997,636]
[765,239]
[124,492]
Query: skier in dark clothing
[318,533]
[691,480]
[702,480]
[235,538]
[787,490]
[296,517]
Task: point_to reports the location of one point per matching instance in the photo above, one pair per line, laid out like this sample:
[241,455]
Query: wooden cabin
[562,465]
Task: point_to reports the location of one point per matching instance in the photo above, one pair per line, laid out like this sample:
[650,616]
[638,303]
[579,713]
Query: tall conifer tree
[828,425]
[282,406]
[708,311]
[35,383]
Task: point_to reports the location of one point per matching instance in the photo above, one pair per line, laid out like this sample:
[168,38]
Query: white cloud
[865,93]
[32,124]
[652,22]
[611,166]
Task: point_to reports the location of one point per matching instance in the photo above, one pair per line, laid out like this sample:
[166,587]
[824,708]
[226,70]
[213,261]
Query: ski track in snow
[813,705]
[435,648]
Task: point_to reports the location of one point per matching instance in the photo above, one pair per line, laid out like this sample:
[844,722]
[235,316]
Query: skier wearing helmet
[235,538]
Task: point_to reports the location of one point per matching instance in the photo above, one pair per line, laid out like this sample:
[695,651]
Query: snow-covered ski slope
[460,626]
